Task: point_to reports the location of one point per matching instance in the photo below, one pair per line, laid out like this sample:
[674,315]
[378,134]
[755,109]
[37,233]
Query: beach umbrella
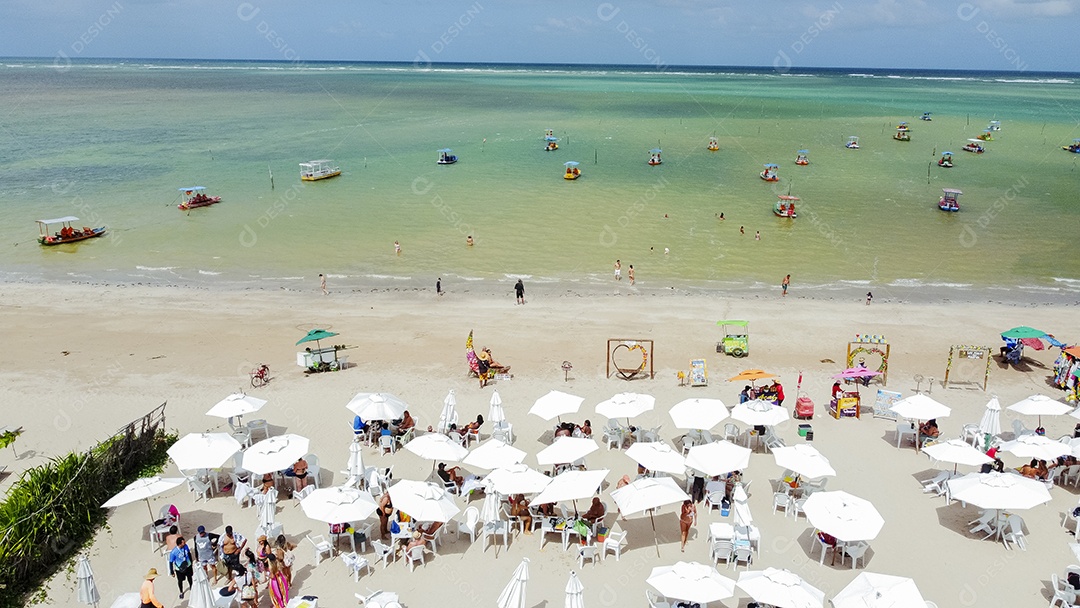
[423,501]
[759,413]
[957,451]
[1039,405]
[316,335]
[780,588]
[448,413]
[275,453]
[1034,343]
[920,407]
[574,592]
[1036,446]
[626,405]
[571,485]
[856,372]
[691,582]
[555,404]
[718,457]
[990,423]
[236,404]
[804,460]
[489,509]
[203,450]
[872,590]
[751,375]
[494,454]
[699,414]
[566,450]
[338,504]
[377,406]
[847,517]
[84,579]
[436,446]
[516,479]
[267,511]
[647,494]
[201,594]
[513,595]
[495,412]
[741,506]
[143,489]
[998,491]
[1022,331]
[657,456]
[355,467]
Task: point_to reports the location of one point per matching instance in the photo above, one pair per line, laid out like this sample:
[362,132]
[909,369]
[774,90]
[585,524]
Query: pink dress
[279,590]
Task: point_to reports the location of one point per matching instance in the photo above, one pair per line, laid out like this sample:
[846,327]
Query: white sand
[133,347]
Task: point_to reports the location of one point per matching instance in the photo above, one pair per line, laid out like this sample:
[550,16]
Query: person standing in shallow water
[438,286]
[322,283]
[618,270]
[631,274]
[784,284]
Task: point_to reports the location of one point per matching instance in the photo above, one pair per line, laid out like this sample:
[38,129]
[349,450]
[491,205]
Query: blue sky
[1010,35]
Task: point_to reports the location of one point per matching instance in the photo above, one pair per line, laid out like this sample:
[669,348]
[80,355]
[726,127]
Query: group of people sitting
[68,232]
[1036,469]
[774,392]
[569,429]
[929,430]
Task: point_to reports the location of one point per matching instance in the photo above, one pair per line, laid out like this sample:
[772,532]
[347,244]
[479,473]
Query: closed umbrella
[489,509]
[513,595]
[423,501]
[203,450]
[698,414]
[236,404]
[495,412]
[436,446]
[574,592]
[780,588]
[990,423]
[804,460]
[718,457]
[1036,446]
[201,595]
[449,412]
[86,587]
[516,479]
[355,467]
[377,406]
[267,511]
[998,491]
[626,405]
[142,489]
[847,517]
[1040,405]
[571,485]
[691,582]
[957,451]
[555,404]
[338,504]
[494,454]
[657,456]
[275,453]
[566,449]
[759,413]
[872,590]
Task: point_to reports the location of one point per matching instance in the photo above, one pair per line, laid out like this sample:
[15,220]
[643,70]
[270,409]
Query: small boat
[769,174]
[654,158]
[926,116]
[313,171]
[975,146]
[195,197]
[572,171]
[552,143]
[801,159]
[67,233]
[852,143]
[785,207]
[903,132]
[995,125]
[987,136]
[948,201]
[713,145]
[946,160]
[1074,147]
[445,157]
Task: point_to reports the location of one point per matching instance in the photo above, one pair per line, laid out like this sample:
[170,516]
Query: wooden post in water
[271,171]
[594,156]
[928,165]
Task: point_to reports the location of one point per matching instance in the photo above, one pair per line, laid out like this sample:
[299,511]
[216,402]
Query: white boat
[315,170]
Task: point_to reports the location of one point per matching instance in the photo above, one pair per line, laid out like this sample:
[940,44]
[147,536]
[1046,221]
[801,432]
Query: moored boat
[948,200]
[801,158]
[572,171]
[785,207]
[313,171]
[67,232]
[194,197]
[445,157]
[654,157]
[769,174]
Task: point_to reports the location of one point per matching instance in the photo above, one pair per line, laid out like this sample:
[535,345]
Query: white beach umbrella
[847,517]
[338,504]
[127,600]
[513,595]
[267,511]
[84,579]
[143,489]
[493,454]
[566,449]
[236,404]
[201,595]
[990,424]
[920,407]
[448,413]
[699,414]
[516,479]
[646,494]
[626,405]
[555,404]
[203,450]
[1040,405]
[571,485]
[489,509]
[495,411]
[574,592]
[691,582]
[1036,446]
[275,453]
[423,501]
[436,446]
[377,406]
[957,451]
[872,590]
[804,460]
[759,413]
[741,507]
[998,491]
[657,456]
[780,588]
[718,457]
[355,467]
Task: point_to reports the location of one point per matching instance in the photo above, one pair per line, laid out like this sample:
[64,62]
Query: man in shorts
[618,270]
[205,546]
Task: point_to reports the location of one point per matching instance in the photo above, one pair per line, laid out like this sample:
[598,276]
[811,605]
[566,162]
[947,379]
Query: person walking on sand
[631,274]
[784,284]
[146,592]
[618,270]
[397,248]
[322,283]
[869,298]
[438,286]
[687,518]
[519,290]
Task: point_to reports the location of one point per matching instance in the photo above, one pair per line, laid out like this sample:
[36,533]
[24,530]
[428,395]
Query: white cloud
[1033,8]
[573,25]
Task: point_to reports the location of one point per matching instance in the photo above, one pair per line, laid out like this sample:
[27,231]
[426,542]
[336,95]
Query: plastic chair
[1076,522]
[1062,592]
[855,551]
[470,523]
[321,546]
[586,552]
[613,542]
[732,431]
[387,443]
[714,500]
[985,523]
[1073,473]
[354,563]
[471,436]
[313,469]
[820,542]
[259,424]
[199,488]
[416,554]
[904,429]
[722,549]
[742,554]
[781,500]
[655,601]
[972,434]
[433,538]
[614,434]
[494,529]
[383,551]
[1014,533]
[503,431]
[795,507]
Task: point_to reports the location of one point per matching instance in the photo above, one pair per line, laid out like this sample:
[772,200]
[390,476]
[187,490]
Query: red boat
[194,197]
[67,233]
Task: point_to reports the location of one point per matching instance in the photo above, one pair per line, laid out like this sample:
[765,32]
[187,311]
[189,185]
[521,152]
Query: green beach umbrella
[1023,332]
[315,335]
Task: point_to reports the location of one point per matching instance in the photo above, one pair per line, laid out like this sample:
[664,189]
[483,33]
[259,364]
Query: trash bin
[725,507]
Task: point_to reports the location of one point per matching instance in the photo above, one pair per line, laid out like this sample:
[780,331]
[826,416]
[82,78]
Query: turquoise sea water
[111,141]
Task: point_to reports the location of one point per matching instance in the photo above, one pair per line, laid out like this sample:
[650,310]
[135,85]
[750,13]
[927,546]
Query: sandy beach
[83,360]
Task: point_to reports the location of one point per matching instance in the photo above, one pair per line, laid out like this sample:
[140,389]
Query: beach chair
[1070,514]
[586,552]
[614,542]
[732,432]
[984,523]
[742,553]
[199,488]
[655,601]
[383,551]
[322,546]
[1063,593]
[856,551]
[1014,533]
[387,444]
[614,434]
[1019,429]
[972,434]
[722,549]
[905,429]
[781,500]
[416,554]
[470,523]
[354,563]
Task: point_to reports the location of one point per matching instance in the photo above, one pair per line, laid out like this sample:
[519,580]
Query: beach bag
[221,567]
[1074,580]
[289,472]
[289,559]
[247,591]
[394,527]
[581,528]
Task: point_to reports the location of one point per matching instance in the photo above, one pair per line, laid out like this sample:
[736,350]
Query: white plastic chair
[503,431]
[387,443]
[1073,473]
[742,554]
[655,601]
[1062,592]
[416,554]
[613,542]
[470,523]
[494,529]
[1076,522]
[855,551]
[302,494]
[985,523]
[824,546]
[199,488]
[713,500]
[158,533]
[321,546]
[780,501]
[259,424]
[586,552]
[936,484]
[614,434]
[383,552]
[313,469]
[795,507]
[972,434]
[471,436]
[722,549]
[1014,533]
[772,441]
[354,563]
[732,431]
[1019,429]
[905,429]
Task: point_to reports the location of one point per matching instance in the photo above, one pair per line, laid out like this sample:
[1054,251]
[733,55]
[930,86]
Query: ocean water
[112,141]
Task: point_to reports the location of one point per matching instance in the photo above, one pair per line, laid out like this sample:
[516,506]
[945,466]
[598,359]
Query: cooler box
[804,408]
[804,429]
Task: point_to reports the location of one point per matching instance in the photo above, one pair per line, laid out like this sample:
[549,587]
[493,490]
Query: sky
[1006,35]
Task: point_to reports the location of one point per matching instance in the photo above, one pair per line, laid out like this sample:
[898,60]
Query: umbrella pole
[152,522]
[656,541]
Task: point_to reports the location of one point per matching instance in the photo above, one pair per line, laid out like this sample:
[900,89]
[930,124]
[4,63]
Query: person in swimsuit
[618,270]
[146,592]
[300,474]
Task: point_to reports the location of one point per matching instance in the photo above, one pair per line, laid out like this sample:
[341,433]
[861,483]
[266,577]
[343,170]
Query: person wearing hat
[146,592]
[205,545]
[417,541]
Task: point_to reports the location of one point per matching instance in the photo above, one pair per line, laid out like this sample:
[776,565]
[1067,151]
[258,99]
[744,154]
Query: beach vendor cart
[320,359]
[736,341]
[845,404]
